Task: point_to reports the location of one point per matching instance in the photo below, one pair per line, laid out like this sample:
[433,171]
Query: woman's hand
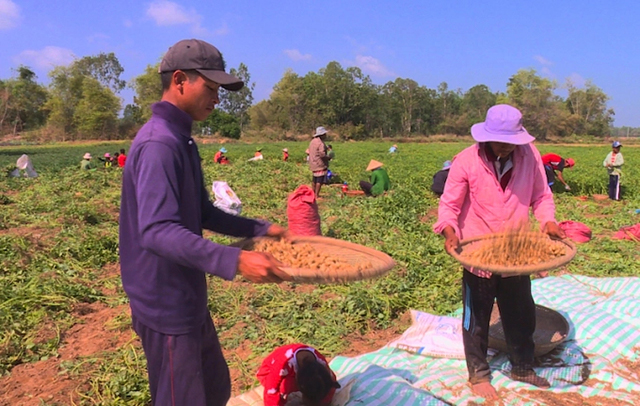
[553,230]
[451,242]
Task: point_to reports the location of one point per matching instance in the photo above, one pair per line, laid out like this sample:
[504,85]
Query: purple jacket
[164,207]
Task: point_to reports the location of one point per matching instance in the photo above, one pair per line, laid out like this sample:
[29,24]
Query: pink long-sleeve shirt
[474,203]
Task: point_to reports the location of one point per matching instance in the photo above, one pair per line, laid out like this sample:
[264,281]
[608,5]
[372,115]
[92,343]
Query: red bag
[628,233]
[302,211]
[575,230]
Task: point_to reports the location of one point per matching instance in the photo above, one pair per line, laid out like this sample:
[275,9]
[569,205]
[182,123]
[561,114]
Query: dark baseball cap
[194,54]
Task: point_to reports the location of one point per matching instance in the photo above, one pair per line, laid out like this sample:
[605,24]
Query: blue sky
[463,43]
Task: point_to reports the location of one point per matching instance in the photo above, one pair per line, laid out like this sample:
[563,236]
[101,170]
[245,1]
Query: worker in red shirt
[297,368]
[122,158]
[553,164]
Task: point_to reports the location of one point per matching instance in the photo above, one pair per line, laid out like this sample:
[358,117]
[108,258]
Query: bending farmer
[555,164]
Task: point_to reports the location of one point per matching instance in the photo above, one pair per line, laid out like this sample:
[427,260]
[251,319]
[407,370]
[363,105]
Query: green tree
[68,90]
[105,68]
[474,104]
[96,115]
[65,91]
[544,114]
[132,114]
[287,103]
[220,122]
[588,107]
[148,88]
[404,101]
[238,103]
[476,101]
[447,110]
[21,101]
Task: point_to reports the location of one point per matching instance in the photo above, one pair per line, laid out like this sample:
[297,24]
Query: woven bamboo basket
[469,244]
[380,263]
[551,330]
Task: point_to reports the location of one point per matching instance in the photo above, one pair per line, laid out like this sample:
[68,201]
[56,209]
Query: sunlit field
[59,260]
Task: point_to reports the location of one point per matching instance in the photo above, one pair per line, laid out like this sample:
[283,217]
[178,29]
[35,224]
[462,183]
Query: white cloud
[166,13]
[46,58]
[296,55]
[127,23]
[372,66]
[542,60]
[9,15]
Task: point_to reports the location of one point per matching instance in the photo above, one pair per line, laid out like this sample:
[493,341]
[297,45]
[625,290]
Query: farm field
[64,319]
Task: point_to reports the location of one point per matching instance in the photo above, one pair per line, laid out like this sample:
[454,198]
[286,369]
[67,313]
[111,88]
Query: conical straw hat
[373,164]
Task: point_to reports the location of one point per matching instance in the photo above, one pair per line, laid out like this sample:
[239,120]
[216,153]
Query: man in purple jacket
[163,256]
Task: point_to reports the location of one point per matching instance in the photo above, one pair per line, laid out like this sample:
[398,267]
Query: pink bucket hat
[503,124]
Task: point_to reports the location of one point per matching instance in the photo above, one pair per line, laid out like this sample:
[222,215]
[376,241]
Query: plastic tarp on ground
[599,364]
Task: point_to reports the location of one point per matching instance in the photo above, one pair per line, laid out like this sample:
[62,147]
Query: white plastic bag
[226,199]
[433,336]
[24,164]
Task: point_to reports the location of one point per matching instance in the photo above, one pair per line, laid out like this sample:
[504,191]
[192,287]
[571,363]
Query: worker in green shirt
[380,182]
[86,163]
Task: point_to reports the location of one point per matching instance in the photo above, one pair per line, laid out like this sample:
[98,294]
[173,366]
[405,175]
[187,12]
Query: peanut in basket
[516,249]
[305,256]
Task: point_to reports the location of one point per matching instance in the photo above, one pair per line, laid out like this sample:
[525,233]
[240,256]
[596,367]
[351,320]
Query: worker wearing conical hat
[380,182]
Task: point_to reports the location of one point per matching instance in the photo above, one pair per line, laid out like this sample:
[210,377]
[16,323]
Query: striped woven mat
[598,364]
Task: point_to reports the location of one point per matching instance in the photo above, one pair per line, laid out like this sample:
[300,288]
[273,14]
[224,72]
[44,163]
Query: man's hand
[553,230]
[451,242]
[567,187]
[261,267]
[278,232]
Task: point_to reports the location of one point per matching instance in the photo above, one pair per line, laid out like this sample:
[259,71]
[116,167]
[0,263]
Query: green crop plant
[59,250]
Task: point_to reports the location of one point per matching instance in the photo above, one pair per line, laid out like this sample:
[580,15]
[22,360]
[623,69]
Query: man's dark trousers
[185,370]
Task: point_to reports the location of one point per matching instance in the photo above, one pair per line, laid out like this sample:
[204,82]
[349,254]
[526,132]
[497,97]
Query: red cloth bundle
[578,232]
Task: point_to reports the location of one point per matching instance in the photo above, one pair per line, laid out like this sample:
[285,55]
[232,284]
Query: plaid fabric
[598,361]
[595,361]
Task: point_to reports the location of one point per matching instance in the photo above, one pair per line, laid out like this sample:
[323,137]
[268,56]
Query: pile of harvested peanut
[304,256]
[516,249]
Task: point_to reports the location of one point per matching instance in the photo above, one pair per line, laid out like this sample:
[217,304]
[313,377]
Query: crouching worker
[220,157]
[297,368]
[380,182]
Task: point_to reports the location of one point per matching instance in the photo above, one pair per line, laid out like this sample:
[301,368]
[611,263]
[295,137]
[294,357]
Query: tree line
[82,101]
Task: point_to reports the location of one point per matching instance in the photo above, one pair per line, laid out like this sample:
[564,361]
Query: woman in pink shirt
[491,187]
